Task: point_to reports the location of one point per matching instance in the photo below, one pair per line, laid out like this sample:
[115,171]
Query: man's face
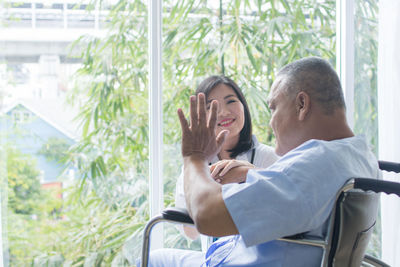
[283,117]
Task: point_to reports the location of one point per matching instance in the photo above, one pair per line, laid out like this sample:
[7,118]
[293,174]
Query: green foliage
[113,81]
[23,182]
[29,207]
[114,117]
[95,230]
[86,232]
[55,149]
[246,41]
[249,41]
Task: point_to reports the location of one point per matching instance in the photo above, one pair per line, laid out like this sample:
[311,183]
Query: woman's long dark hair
[245,137]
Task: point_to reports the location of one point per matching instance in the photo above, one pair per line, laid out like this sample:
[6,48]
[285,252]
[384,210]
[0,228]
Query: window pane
[77,188]
[365,70]
[365,86]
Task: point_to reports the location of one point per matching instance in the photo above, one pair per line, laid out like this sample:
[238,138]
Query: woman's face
[230,110]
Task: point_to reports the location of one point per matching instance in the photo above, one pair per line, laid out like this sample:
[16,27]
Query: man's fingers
[183,121]
[212,120]
[221,137]
[193,111]
[201,108]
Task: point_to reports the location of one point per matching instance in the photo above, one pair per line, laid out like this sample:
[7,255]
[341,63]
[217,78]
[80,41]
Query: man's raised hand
[198,137]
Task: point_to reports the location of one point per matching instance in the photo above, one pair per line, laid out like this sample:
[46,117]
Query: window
[17,117]
[20,116]
[91,60]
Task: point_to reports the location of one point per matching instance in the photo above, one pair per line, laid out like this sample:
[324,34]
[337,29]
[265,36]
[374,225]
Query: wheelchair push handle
[389,166]
[377,186]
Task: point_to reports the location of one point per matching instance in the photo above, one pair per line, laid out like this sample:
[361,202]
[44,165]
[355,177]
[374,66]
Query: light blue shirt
[294,195]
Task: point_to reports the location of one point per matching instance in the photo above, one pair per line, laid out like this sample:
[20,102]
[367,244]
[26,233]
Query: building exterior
[38,126]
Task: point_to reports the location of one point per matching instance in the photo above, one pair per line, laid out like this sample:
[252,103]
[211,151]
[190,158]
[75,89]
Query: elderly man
[295,195]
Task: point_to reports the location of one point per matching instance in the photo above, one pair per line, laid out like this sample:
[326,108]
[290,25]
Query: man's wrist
[199,157]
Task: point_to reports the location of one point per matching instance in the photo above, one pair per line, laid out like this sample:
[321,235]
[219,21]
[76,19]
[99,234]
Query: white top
[264,156]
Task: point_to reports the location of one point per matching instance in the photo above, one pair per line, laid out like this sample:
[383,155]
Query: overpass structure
[31,29]
[35,44]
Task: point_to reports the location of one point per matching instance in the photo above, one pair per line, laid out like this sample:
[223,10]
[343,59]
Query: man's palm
[199,138]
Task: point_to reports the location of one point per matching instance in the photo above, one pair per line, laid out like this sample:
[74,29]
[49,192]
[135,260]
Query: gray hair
[316,77]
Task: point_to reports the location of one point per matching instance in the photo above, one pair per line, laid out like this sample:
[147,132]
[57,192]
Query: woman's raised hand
[198,137]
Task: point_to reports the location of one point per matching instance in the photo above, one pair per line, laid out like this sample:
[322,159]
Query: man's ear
[303,105]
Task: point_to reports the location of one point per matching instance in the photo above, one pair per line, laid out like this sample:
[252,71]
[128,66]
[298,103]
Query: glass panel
[365,70]
[365,86]
[74,124]
[245,40]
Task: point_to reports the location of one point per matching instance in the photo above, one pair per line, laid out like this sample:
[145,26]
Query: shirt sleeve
[262,209]
[292,196]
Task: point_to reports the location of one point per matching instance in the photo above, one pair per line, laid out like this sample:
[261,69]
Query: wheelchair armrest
[175,214]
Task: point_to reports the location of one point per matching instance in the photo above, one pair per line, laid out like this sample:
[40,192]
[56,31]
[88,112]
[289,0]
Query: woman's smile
[226,122]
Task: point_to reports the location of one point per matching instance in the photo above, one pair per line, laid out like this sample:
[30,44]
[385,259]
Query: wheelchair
[349,229]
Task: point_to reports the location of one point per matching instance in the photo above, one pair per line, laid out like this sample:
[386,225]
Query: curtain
[389,124]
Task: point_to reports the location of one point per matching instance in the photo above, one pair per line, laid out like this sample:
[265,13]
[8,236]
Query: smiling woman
[233,115]
[230,116]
